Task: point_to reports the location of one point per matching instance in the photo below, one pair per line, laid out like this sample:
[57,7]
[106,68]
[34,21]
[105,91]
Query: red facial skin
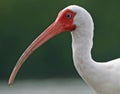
[64,22]
[66,19]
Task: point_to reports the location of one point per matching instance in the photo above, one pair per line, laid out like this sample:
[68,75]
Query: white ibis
[104,78]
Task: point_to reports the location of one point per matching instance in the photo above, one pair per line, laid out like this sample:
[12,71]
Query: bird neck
[81,46]
[82,42]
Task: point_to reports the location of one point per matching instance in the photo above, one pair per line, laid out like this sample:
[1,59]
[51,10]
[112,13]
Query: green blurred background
[21,21]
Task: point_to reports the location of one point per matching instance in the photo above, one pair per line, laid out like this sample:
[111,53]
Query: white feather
[104,78]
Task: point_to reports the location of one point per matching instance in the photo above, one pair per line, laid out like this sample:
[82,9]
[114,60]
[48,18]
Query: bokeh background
[21,21]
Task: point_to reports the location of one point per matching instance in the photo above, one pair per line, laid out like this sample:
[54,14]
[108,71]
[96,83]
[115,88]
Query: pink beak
[50,32]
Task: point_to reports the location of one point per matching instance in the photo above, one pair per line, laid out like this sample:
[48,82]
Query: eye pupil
[68,16]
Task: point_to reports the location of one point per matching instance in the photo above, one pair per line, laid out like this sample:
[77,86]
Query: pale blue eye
[68,16]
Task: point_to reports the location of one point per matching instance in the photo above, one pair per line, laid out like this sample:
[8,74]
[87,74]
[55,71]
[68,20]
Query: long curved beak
[50,32]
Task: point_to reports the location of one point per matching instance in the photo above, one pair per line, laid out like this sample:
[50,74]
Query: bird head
[68,20]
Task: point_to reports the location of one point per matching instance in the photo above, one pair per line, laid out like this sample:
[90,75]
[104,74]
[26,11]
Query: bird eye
[68,16]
